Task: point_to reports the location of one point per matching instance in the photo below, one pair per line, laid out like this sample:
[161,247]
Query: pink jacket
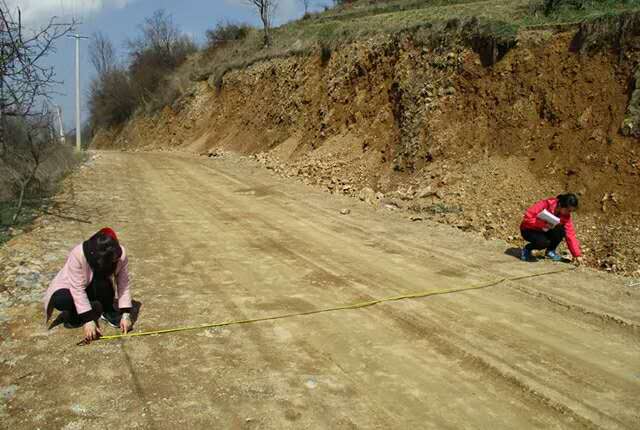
[76,275]
[531,222]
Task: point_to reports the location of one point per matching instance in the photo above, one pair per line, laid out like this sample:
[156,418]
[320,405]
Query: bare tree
[266,9]
[24,79]
[158,33]
[102,54]
[36,142]
[306,4]
[157,51]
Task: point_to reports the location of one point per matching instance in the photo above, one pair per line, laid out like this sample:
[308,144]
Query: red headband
[109,232]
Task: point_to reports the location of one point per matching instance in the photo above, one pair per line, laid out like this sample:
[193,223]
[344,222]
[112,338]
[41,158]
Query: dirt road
[212,240]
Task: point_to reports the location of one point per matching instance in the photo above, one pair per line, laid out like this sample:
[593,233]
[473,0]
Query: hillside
[464,112]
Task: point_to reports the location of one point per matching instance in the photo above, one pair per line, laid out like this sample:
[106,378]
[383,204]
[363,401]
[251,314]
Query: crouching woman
[542,235]
[83,290]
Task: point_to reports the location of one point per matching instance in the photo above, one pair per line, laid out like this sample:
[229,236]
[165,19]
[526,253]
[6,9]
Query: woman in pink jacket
[83,290]
[542,235]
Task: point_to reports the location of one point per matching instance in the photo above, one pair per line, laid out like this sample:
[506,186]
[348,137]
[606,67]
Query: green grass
[592,10]
[363,9]
[364,20]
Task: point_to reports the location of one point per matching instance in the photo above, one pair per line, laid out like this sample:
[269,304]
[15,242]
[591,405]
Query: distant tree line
[142,79]
[119,88]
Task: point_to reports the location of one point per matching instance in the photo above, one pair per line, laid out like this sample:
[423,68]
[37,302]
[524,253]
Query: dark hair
[568,200]
[107,250]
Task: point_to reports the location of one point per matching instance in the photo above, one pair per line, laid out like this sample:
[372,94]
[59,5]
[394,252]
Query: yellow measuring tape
[336,308]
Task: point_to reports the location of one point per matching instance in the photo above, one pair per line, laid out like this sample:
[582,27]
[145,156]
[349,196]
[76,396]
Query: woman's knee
[543,243]
[558,232]
[540,242]
[62,300]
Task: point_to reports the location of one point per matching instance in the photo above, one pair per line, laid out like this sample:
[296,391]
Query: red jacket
[531,222]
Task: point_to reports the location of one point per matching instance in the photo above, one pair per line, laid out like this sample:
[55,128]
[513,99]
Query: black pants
[63,301]
[539,239]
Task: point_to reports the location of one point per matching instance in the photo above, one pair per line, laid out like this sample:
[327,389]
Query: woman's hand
[125,323]
[578,261]
[91,331]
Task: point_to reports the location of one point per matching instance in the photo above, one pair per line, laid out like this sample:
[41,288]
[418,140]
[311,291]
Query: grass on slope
[366,19]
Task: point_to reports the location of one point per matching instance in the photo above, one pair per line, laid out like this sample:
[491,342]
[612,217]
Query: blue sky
[119,19]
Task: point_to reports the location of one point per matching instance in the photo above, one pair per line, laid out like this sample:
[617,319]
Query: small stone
[345,211]
[311,383]
[426,192]
[367,195]
[9,392]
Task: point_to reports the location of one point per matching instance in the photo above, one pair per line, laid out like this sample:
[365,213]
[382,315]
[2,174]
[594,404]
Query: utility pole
[78,128]
[60,126]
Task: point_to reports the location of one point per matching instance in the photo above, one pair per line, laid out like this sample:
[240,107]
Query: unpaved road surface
[214,240]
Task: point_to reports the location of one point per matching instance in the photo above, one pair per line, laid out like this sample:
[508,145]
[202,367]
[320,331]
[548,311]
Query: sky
[119,20]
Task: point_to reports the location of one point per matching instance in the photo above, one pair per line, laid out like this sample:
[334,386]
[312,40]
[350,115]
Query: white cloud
[35,12]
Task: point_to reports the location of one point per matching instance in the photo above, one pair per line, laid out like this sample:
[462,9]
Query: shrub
[552,6]
[111,101]
[155,54]
[226,32]
[325,53]
[150,66]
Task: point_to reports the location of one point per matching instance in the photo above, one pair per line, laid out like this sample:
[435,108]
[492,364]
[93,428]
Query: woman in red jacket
[543,235]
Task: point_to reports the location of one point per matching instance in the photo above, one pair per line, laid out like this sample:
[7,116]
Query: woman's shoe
[525,255]
[553,256]
[69,321]
[112,318]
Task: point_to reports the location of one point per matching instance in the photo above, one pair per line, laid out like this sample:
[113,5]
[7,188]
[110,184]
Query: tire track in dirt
[445,256]
[542,399]
[286,252]
[194,238]
[260,342]
[479,356]
[557,405]
[140,393]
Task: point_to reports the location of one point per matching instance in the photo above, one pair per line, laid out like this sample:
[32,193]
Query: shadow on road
[515,252]
[135,312]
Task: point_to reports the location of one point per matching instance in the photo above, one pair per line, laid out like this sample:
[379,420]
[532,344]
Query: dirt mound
[399,115]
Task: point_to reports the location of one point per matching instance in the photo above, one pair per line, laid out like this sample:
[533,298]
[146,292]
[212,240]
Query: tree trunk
[264,16]
[23,189]
[1,126]
[267,38]
[23,186]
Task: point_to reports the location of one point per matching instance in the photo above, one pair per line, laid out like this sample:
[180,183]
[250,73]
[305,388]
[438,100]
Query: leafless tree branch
[24,80]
